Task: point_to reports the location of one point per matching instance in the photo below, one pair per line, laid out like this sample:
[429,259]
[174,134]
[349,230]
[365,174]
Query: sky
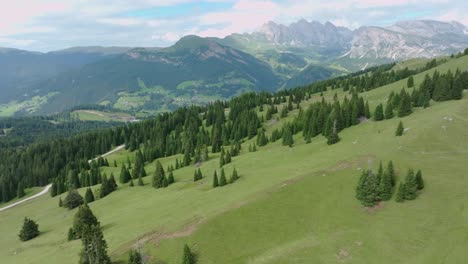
[45,25]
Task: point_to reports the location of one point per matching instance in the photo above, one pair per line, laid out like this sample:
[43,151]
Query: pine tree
[134,257]
[124,175]
[400,197]
[400,129]
[29,230]
[94,246]
[405,107]
[222,179]
[170,178]
[385,185]
[411,186]
[389,111]
[333,138]
[379,114]
[159,176]
[419,180]
[20,190]
[287,136]
[234,176]
[391,173]
[215,180]
[83,218]
[410,82]
[188,257]
[89,196]
[73,199]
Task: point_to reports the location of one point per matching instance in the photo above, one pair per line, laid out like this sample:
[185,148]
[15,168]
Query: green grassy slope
[291,205]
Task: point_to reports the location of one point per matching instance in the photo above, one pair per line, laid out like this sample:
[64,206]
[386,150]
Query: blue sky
[45,25]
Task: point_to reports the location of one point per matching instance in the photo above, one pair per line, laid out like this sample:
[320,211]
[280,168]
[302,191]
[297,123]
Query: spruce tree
[333,138]
[170,178]
[73,199]
[419,180]
[215,180]
[379,114]
[134,257]
[389,111]
[29,230]
[94,246]
[234,176]
[400,197]
[83,218]
[391,173]
[287,136]
[411,186]
[222,179]
[410,82]
[188,257]
[399,131]
[89,196]
[405,107]
[159,176]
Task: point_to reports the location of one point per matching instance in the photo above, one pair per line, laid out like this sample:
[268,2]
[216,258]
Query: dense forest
[194,131]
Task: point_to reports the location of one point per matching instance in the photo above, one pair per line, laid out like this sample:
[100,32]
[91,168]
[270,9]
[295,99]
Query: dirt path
[110,152]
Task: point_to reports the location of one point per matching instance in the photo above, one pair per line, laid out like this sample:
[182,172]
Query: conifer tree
[221,159]
[405,107]
[170,178]
[159,176]
[234,176]
[124,175]
[215,180]
[29,230]
[391,172]
[410,82]
[89,196]
[419,180]
[400,197]
[385,186]
[389,111]
[94,246]
[188,257]
[83,218]
[287,136]
[20,190]
[411,186]
[222,179]
[60,202]
[134,257]
[333,138]
[399,131]
[73,199]
[379,114]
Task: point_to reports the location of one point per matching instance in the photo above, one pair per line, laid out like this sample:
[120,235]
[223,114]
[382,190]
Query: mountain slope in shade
[191,68]
[20,68]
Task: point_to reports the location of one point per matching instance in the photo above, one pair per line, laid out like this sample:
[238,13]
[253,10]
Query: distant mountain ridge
[198,70]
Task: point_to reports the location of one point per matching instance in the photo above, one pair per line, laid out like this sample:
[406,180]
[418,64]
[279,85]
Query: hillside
[291,204]
[194,70]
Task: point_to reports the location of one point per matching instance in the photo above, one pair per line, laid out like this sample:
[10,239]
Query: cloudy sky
[45,25]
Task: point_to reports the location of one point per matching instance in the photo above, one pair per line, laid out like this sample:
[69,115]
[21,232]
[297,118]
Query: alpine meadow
[302,143]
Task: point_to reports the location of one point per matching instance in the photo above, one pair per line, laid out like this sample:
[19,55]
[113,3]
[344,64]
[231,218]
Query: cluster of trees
[159,179]
[408,190]
[375,187]
[222,181]
[29,230]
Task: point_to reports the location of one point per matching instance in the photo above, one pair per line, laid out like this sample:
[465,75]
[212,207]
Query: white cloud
[16,42]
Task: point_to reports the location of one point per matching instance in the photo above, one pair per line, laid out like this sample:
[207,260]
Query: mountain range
[199,70]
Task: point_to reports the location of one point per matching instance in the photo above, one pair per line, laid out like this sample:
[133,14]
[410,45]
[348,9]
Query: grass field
[93,115]
[291,205]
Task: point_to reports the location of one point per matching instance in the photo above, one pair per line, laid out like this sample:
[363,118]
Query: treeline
[193,132]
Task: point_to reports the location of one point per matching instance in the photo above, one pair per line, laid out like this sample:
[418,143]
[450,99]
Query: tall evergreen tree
[188,257]
[222,179]
[215,180]
[94,246]
[400,197]
[411,186]
[410,82]
[159,176]
[399,131]
[419,180]
[389,111]
[405,107]
[379,113]
[89,196]
[234,176]
[170,178]
[83,218]
[135,257]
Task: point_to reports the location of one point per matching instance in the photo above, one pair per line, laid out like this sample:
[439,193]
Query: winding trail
[47,188]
